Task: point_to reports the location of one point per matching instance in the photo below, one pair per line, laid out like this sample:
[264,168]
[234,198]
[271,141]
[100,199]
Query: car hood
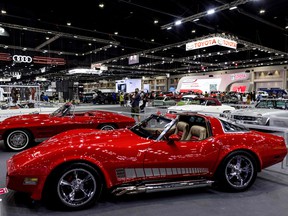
[255,112]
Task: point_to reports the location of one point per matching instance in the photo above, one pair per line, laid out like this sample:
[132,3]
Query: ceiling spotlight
[101,5]
[156,21]
[178,22]
[262,11]
[69,23]
[211,11]
[3,12]
[116,33]
[152,40]
[193,31]
[286,27]
[233,8]
[195,20]
[170,27]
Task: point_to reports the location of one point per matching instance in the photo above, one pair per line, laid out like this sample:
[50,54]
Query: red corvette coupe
[20,132]
[74,168]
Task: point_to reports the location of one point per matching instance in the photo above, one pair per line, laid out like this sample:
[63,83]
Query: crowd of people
[138,100]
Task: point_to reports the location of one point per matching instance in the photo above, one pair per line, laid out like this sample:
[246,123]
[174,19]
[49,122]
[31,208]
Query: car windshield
[154,127]
[64,110]
[272,104]
[197,101]
[186,99]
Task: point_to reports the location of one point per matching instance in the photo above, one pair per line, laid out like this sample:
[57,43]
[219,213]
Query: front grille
[245,118]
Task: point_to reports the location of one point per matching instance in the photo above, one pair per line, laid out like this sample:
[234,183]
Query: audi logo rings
[22,59]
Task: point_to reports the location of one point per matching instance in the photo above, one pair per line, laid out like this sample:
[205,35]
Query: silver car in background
[262,113]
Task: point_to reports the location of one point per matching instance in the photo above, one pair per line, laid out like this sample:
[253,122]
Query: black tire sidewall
[27,134]
[50,194]
[222,182]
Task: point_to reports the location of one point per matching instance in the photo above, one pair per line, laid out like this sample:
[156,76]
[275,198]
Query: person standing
[121,99]
[135,100]
[145,100]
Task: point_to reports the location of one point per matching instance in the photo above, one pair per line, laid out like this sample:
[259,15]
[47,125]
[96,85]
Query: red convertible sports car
[20,132]
[73,169]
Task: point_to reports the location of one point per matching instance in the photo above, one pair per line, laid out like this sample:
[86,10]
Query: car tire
[237,172]
[107,127]
[76,186]
[17,140]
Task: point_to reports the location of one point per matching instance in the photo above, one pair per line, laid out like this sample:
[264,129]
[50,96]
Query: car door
[64,123]
[175,159]
[211,107]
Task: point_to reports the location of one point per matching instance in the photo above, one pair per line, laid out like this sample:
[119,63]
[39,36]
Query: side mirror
[174,137]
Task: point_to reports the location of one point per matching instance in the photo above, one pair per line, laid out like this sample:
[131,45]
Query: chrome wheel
[17,140]
[239,171]
[107,127]
[76,187]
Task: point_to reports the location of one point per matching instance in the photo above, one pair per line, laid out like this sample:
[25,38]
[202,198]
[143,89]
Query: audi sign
[22,59]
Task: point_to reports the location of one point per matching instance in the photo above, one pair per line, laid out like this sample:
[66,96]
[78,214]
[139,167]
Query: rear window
[229,127]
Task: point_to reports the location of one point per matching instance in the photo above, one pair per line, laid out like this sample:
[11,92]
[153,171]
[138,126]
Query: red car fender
[227,149]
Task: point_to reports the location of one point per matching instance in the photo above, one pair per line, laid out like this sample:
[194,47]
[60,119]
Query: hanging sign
[212,41]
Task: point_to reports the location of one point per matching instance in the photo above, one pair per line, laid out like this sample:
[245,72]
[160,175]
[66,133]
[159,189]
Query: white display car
[263,113]
[18,110]
[186,99]
[206,105]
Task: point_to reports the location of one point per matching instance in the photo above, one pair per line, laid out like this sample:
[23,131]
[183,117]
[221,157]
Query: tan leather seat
[197,133]
[182,130]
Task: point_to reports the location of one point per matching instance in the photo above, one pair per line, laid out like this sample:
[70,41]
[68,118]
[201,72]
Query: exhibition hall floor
[268,196]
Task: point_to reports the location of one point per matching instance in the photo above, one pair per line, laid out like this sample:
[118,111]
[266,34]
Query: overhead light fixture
[169,28]
[69,23]
[211,11]
[178,22]
[233,8]
[116,33]
[286,27]
[156,21]
[3,12]
[3,32]
[262,11]
[101,5]
[195,17]
[193,31]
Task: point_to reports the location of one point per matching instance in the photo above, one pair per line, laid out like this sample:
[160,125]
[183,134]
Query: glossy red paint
[43,126]
[141,158]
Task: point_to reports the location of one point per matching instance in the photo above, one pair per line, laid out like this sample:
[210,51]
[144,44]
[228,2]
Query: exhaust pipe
[164,186]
